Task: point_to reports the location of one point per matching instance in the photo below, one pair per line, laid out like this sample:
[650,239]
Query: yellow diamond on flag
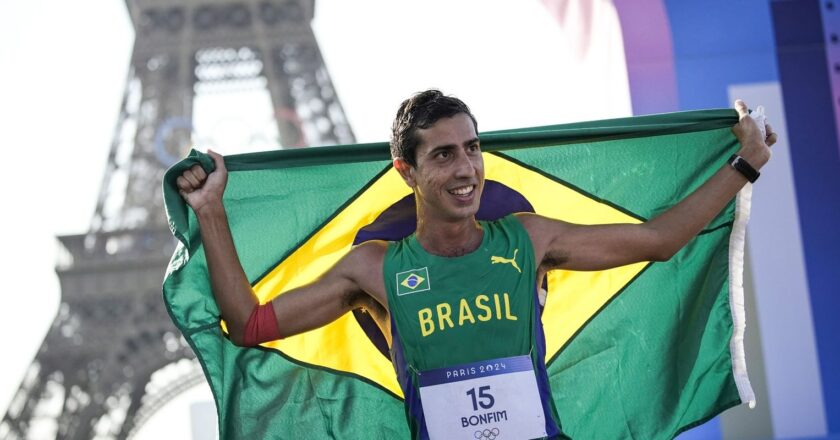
[574,298]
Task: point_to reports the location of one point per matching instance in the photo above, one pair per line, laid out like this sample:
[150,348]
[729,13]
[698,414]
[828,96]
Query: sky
[65,65]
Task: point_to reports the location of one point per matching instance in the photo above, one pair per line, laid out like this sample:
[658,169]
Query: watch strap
[744,167]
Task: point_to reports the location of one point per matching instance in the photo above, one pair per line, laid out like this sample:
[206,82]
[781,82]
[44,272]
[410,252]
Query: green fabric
[653,362]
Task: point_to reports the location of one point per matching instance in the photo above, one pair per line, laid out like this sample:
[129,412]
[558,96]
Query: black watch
[744,167]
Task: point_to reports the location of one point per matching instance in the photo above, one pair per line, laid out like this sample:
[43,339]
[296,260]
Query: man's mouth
[462,191]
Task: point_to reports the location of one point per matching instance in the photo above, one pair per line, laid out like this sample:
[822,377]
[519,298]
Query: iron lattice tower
[92,377]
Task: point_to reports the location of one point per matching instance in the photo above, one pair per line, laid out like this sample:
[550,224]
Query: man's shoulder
[529,219]
[371,249]
[523,220]
[536,226]
[363,264]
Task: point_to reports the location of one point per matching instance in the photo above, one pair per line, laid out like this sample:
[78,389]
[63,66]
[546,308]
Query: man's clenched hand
[200,190]
[755,148]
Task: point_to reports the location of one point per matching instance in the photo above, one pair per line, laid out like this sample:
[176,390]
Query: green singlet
[468,346]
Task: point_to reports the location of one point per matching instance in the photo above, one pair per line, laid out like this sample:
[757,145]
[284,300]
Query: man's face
[449,175]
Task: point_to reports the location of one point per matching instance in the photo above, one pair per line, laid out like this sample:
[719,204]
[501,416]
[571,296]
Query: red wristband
[261,326]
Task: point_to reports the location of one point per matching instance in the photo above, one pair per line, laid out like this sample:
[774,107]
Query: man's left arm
[561,245]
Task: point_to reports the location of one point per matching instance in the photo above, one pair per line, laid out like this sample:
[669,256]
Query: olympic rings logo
[487,434]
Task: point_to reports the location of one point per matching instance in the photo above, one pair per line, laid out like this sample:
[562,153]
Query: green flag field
[642,351]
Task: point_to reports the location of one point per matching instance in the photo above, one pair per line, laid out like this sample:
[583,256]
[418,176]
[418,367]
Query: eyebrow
[472,141]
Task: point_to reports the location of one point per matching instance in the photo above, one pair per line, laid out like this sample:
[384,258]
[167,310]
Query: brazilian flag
[642,351]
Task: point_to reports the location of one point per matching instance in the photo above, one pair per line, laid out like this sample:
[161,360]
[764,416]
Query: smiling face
[449,175]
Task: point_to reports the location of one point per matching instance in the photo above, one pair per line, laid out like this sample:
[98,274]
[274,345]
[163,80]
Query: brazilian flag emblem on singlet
[412,281]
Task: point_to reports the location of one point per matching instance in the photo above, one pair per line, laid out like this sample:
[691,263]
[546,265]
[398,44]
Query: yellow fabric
[574,297]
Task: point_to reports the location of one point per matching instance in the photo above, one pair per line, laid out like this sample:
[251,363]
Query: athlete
[456,299]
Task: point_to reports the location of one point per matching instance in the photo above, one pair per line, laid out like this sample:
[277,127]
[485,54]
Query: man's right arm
[338,291]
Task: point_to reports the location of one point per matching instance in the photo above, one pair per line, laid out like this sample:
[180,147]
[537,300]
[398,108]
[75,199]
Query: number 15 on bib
[489,400]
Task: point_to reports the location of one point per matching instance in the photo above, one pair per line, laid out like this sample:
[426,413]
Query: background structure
[90,376]
[534,64]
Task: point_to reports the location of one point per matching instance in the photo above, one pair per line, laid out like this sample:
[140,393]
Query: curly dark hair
[421,111]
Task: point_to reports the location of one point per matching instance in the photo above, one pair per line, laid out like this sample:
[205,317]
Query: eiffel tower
[92,377]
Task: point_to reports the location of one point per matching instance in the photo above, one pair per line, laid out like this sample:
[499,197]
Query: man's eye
[443,154]
[473,147]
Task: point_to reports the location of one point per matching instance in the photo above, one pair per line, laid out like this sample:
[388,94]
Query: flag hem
[736,295]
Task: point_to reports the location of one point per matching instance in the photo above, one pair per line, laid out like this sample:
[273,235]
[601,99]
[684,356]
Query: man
[456,300]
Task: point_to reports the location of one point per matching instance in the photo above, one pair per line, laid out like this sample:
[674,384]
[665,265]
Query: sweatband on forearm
[261,326]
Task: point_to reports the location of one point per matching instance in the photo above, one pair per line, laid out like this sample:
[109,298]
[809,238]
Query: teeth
[462,191]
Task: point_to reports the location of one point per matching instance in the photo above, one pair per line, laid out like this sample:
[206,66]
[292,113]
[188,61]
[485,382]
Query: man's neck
[449,239]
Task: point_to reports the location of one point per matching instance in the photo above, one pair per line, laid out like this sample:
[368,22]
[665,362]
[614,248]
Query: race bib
[490,400]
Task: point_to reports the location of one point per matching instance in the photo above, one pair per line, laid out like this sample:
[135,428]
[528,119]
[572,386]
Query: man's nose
[464,166]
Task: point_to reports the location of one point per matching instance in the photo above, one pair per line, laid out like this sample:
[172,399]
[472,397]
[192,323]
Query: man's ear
[405,170]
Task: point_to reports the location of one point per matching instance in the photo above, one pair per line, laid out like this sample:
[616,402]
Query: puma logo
[503,260]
